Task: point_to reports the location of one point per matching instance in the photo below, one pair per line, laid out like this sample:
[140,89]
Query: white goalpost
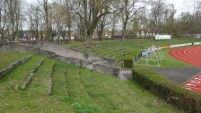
[149,57]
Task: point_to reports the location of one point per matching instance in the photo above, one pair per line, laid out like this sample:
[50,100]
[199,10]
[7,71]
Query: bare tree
[169,19]
[48,27]
[100,27]
[4,21]
[34,19]
[14,15]
[57,16]
[69,17]
[182,22]
[129,8]
[105,21]
[158,15]
[90,11]
[194,9]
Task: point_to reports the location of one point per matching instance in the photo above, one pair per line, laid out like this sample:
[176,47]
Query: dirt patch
[178,75]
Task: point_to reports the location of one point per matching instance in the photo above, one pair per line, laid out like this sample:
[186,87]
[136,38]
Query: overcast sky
[179,5]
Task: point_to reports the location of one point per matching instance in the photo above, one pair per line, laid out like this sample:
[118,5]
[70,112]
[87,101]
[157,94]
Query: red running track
[194,84]
[191,55]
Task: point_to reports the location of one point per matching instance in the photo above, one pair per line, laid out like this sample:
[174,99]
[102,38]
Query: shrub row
[128,60]
[12,66]
[31,75]
[127,63]
[164,88]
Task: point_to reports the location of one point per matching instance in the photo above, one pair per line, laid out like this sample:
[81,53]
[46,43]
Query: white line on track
[193,88]
[191,56]
[194,83]
[188,54]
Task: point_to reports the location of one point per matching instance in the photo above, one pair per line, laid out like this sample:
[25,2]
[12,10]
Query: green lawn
[7,58]
[75,90]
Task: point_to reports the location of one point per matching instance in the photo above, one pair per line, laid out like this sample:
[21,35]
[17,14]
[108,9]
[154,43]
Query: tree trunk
[124,31]
[113,28]
[69,33]
[100,33]
[88,41]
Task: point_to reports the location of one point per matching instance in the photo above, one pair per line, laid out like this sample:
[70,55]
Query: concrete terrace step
[125,75]
[65,54]
[69,52]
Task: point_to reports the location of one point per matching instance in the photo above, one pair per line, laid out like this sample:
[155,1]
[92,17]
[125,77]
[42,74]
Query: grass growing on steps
[117,96]
[59,80]
[7,58]
[20,74]
[99,91]
[41,77]
[133,46]
[75,89]
[77,92]
[35,98]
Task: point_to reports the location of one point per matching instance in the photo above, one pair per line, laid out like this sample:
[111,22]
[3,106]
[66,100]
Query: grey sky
[179,5]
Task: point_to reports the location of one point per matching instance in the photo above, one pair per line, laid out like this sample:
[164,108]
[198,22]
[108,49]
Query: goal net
[149,57]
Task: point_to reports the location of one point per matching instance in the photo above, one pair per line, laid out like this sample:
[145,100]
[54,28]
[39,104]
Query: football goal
[149,57]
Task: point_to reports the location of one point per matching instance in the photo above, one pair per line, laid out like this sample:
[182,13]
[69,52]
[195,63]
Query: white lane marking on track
[189,84]
[190,57]
[182,58]
[193,88]
[192,83]
[191,53]
[196,82]
[179,55]
[197,78]
[198,52]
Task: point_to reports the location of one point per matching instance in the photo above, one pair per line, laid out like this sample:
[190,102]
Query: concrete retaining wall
[107,67]
[69,52]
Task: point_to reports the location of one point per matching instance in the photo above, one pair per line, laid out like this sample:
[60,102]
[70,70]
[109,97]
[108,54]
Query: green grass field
[75,90]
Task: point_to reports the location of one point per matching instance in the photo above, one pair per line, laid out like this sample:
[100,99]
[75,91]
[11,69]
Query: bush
[128,60]
[127,63]
[167,90]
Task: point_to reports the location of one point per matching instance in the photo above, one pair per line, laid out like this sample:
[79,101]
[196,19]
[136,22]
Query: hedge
[127,63]
[161,86]
[128,60]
